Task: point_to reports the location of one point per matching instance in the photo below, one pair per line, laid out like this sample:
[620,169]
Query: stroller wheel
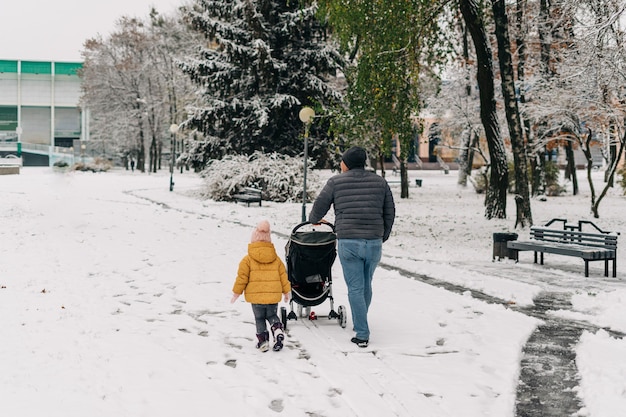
[283,317]
[341,312]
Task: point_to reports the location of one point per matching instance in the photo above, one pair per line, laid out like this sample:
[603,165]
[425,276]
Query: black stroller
[310,255]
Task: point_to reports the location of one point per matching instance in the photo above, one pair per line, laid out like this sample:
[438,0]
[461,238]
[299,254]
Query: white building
[40,117]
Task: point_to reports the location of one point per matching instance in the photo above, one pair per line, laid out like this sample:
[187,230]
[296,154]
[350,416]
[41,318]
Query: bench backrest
[252,191]
[575,237]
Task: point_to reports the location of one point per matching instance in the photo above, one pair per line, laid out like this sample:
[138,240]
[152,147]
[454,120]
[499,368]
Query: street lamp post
[306,116]
[18,132]
[173,130]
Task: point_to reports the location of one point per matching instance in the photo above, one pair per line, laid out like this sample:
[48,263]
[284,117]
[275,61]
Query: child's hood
[262,252]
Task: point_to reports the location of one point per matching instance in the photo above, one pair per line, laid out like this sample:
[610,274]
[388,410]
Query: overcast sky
[43,30]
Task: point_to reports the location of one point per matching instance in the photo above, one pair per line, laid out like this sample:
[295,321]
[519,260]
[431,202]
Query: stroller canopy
[310,256]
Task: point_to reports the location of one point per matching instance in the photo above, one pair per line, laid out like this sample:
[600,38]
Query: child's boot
[279,335]
[264,341]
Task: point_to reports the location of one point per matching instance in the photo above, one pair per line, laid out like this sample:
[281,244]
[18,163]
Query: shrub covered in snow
[96,165]
[279,176]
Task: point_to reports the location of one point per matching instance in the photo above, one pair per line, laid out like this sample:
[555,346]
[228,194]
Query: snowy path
[549,379]
[114,300]
[390,380]
[365,373]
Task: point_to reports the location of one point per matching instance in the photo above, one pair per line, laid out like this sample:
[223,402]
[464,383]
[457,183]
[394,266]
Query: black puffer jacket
[364,206]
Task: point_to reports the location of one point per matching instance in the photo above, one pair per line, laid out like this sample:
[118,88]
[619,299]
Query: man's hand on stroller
[320,222]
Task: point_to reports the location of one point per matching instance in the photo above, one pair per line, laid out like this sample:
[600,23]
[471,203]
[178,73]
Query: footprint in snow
[277,405]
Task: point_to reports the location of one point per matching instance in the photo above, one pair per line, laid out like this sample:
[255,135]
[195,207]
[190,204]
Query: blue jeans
[359,258]
[262,313]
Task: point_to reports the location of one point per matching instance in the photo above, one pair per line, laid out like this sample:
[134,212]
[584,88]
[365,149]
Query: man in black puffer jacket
[364,215]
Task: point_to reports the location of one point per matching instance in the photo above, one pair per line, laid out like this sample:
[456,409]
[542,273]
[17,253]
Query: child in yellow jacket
[263,278]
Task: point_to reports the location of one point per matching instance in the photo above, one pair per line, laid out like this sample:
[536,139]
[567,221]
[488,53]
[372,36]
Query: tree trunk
[520,41]
[609,173]
[141,152]
[524,214]
[465,167]
[474,143]
[521,48]
[464,157]
[570,171]
[404,179]
[538,175]
[539,169]
[153,159]
[585,147]
[544,38]
[495,199]
[595,205]
[470,143]
[160,154]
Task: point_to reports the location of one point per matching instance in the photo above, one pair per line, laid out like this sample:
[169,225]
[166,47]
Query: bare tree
[583,84]
[596,199]
[516,134]
[495,199]
[130,87]
[456,101]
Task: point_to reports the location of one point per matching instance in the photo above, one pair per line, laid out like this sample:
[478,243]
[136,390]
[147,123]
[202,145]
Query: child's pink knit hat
[262,232]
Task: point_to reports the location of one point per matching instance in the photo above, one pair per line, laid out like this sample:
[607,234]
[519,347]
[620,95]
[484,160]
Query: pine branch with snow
[265,59]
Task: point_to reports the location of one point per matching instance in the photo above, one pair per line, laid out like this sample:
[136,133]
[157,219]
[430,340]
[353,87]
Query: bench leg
[614,266]
[586,268]
[541,257]
[606,267]
[535,257]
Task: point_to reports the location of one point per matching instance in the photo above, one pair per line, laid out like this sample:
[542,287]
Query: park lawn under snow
[114,301]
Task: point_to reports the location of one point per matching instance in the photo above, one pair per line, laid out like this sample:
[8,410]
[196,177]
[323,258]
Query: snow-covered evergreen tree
[263,61]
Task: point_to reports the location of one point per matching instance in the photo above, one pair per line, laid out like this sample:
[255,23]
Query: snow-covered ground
[114,301]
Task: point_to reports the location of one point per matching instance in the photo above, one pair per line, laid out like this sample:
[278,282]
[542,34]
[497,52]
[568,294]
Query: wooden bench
[249,195]
[598,245]
[418,182]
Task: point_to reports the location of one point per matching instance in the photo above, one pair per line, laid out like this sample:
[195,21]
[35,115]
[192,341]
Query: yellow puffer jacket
[262,275]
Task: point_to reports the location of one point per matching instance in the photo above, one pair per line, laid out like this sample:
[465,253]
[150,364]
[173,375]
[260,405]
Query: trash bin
[499,246]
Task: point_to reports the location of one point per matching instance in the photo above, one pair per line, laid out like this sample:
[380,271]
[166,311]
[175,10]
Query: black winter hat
[354,157]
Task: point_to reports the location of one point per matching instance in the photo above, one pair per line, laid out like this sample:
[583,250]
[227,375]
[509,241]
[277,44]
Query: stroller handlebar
[332,226]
